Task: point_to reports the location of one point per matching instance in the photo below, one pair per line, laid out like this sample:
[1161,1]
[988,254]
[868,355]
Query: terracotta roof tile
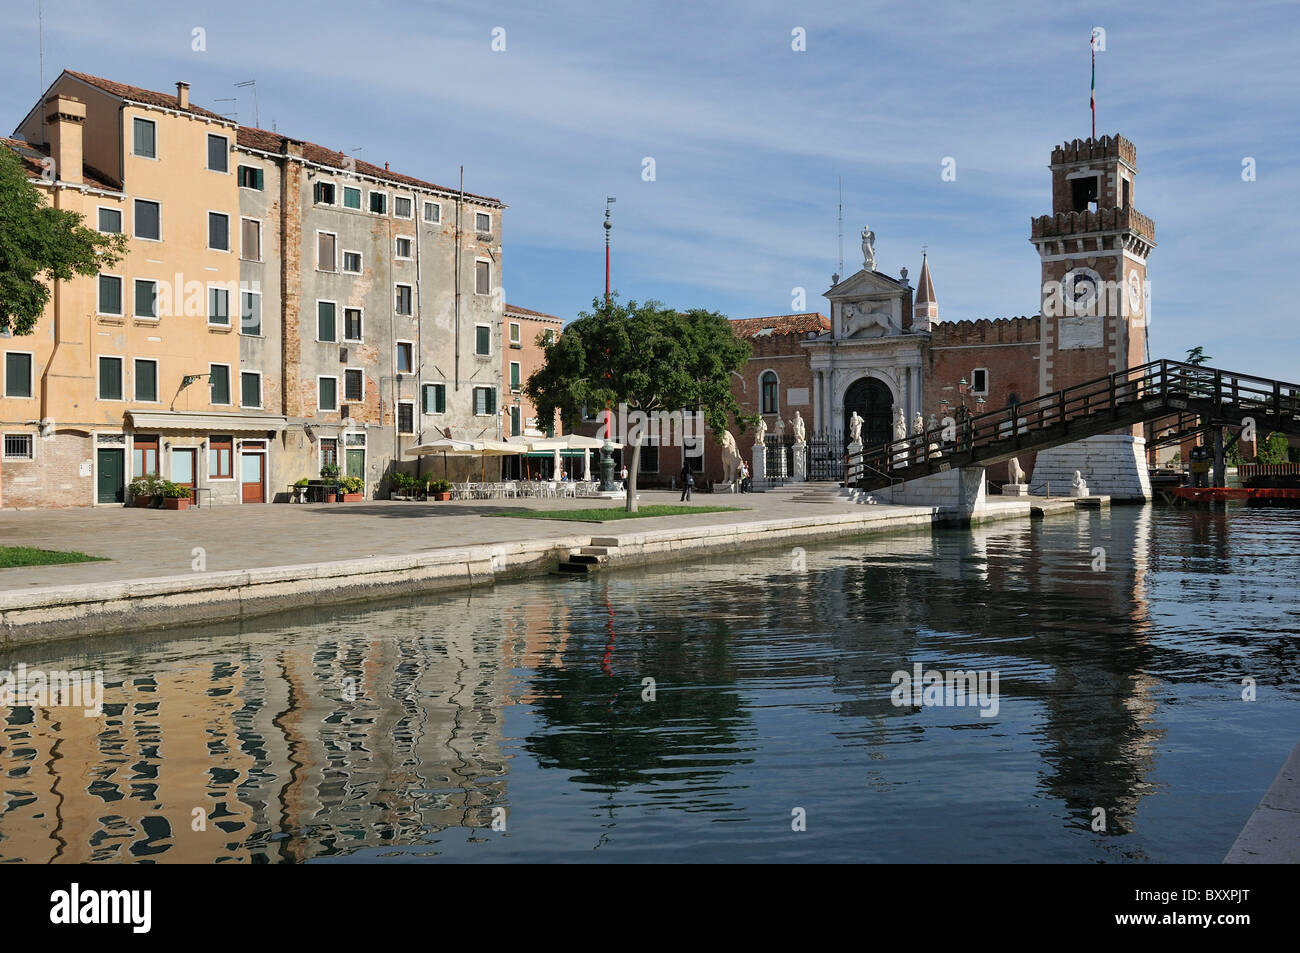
[799,324]
[147,96]
[31,156]
[526,313]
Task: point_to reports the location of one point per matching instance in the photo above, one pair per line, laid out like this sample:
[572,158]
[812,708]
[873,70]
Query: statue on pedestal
[780,427]
[900,424]
[798,425]
[760,435]
[868,248]
[1016,474]
[918,424]
[1079,487]
[855,428]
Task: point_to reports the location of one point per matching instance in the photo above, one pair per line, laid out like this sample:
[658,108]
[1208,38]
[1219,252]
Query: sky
[750,137]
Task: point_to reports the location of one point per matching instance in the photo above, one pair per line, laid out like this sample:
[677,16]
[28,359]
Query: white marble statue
[918,424]
[800,436]
[1016,474]
[731,460]
[900,424]
[933,450]
[858,317]
[855,428]
[760,435]
[1079,487]
[780,427]
[868,248]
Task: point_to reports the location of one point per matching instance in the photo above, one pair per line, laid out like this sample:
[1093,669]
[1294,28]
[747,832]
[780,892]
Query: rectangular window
[250,313]
[221,452]
[352,324]
[19,446]
[325,243]
[329,450]
[482,339]
[649,459]
[405,417]
[146,298]
[405,357]
[402,207]
[482,277]
[351,197]
[516,421]
[148,220]
[219,306]
[379,203]
[435,398]
[328,398]
[352,262]
[354,385]
[219,381]
[979,381]
[145,138]
[110,294]
[250,239]
[323,193]
[514,334]
[482,222]
[144,455]
[219,231]
[515,374]
[403,248]
[250,177]
[110,378]
[403,303]
[432,213]
[18,374]
[218,153]
[110,220]
[250,389]
[326,321]
[485,401]
[548,336]
[146,381]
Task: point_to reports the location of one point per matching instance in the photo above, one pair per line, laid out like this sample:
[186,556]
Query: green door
[356,460]
[110,487]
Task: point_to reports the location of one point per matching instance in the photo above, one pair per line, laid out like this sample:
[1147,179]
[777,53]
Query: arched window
[768,386]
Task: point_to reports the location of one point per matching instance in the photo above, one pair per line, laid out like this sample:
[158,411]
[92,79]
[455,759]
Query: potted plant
[353,488]
[441,490]
[143,490]
[330,474]
[175,496]
[299,490]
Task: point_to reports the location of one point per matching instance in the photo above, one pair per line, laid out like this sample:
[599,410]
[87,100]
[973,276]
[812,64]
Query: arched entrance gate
[874,403]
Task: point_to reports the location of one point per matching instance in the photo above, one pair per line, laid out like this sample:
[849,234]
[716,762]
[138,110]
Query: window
[482,339]
[695,460]
[403,248]
[146,381]
[110,378]
[482,222]
[354,385]
[1084,192]
[144,455]
[435,398]
[19,446]
[250,313]
[110,294]
[145,138]
[221,452]
[250,239]
[649,459]
[352,262]
[516,421]
[323,193]
[18,374]
[219,383]
[485,401]
[405,416]
[351,197]
[219,231]
[402,207]
[405,357]
[146,298]
[328,393]
[329,450]
[979,381]
[148,220]
[769,387]
[219,306]
[548,336]
[110,220]
[218,153]
[514,334]
[352,324]
[326,321]
[1124,198]
[250,177]
[432,213]
[250,389]
[325,242]
[379,203]
[482,277]
[403,304]
[515,373]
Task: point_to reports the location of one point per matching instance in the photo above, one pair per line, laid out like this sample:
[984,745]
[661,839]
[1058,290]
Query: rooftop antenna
[257,122]
[609,200]
[40,33]
[234,114]
[840,235]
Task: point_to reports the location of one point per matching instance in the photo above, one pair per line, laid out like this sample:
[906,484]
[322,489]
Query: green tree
[1196,356]
[1274,449]
[40,244]
[646,356]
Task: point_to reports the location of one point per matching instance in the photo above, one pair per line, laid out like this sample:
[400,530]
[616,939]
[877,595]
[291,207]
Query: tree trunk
[631,476]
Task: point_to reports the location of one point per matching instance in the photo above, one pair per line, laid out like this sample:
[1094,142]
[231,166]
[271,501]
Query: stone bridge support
[959,495]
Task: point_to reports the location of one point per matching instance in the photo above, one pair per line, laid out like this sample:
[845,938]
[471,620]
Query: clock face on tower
[1080,290]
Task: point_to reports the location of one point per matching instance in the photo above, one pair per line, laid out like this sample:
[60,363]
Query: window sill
[220,328]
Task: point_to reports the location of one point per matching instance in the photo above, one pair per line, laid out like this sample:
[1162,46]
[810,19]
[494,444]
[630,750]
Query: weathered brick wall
[53,477]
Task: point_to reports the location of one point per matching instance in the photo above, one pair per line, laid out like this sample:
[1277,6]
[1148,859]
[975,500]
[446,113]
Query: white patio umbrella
[467,448]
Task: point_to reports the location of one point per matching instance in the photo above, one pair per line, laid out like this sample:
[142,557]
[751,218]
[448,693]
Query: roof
[146,96]
[781,324]
[924,285]
[263,140]
[536,315]
[31,156]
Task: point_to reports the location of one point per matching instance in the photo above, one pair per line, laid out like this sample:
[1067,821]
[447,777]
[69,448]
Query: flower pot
[444,497]
[353,497]
[176,503]
[142,501]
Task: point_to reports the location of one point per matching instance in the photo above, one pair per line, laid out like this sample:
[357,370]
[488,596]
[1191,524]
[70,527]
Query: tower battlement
[1069,224]
[1087,150]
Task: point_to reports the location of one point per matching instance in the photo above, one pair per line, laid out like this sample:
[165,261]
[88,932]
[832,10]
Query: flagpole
[1092,98]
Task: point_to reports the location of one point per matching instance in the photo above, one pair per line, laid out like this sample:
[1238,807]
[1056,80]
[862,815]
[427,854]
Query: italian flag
[1092,94]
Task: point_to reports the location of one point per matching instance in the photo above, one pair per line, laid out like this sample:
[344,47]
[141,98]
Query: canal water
[736,708]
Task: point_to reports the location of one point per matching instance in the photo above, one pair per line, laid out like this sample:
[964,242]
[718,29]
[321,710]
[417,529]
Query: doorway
[875,405]
[185,468]
[252,477]
[110,485]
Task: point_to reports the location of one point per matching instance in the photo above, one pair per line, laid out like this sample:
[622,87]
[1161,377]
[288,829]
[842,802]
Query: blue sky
[749,136]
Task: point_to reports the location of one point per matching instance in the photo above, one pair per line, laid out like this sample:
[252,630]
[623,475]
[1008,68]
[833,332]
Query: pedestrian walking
[688,481]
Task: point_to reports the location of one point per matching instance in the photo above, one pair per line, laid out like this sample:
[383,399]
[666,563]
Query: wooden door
[252,477]
[110,483]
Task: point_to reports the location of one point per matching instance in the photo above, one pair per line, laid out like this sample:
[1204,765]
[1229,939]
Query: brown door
[252,477]
[185,464]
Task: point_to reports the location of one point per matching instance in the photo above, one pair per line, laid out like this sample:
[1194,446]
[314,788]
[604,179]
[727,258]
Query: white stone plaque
[796,396]
[1079,333]
[85,468]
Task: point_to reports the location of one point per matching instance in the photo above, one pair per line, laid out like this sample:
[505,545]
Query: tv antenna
[257,122]
[840,227]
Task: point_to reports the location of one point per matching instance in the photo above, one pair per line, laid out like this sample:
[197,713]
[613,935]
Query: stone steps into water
[587,559]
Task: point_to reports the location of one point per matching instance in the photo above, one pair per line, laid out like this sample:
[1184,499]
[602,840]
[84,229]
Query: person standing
[688,481]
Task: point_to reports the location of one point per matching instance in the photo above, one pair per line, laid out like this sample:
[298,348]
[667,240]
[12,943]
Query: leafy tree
[1274,449]
[1196,356]
[40,244]
[646,356]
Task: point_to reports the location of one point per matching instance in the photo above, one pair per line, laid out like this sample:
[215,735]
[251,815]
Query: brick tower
[1095,303]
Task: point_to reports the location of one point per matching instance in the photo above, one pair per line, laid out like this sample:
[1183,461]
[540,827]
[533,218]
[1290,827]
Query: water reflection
[694,705]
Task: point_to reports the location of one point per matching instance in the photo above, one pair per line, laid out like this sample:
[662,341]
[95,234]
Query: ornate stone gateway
[873,402]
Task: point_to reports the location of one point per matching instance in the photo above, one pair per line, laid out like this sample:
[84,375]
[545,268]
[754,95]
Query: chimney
[183,95]
[65,117]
